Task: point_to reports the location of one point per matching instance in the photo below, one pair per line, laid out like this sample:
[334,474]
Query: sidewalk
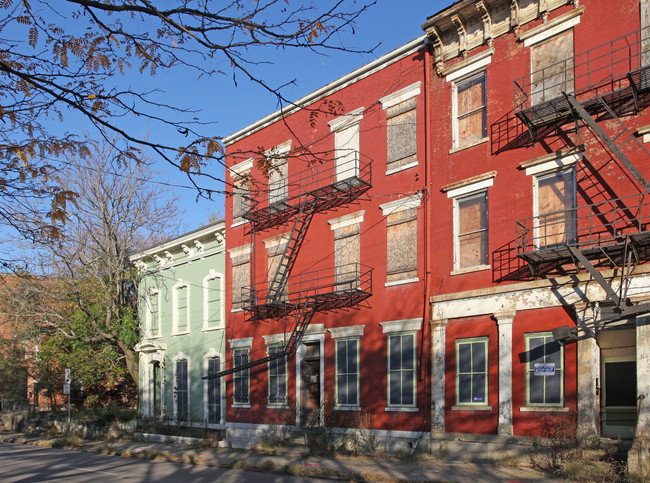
[294,461]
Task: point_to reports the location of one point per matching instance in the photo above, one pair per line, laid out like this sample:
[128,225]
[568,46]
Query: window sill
[232,311]
[401,282]
[543,409]
[468,407]
[238,223]
[241,406]
[478,268]
[401,410]
[347,408]
[210,329]
[469,145]
[187,332]
[277,406]
[401,168]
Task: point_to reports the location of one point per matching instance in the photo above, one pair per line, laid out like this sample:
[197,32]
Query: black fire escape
[323,186]
[601,84]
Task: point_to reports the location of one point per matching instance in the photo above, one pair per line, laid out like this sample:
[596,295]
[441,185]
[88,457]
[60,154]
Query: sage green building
[181,299]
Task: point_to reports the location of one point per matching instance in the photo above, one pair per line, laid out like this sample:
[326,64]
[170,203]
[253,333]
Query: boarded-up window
[556,208]
[472,230]
[241,276]
[402,135]
[347,254]
[471,110]
[402,245]
[241,201]
[275,254]
[545,371]
[346,144]
[552,67]
[278,180]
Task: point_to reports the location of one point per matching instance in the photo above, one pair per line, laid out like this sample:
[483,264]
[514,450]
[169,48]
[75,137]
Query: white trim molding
[213,274]
[350,331]
[239,343]
[402,204]
[476,63]
[346,120]
[404,325]
[400,96]
[346,220]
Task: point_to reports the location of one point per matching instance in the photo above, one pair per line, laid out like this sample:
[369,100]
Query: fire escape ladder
[581,113]
[300,226]
[302,322]
[609,291]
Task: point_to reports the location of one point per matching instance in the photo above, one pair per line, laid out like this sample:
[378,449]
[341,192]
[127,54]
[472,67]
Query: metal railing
[598,66]
[591,226]
[320,284]
[327,178]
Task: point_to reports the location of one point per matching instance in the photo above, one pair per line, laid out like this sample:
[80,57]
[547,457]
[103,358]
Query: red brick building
[418,232]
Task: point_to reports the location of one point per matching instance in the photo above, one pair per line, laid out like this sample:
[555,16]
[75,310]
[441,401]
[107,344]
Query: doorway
[310,384]
[618,397]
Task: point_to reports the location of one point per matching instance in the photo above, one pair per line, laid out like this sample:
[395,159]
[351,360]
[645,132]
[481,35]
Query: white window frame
[355,405]
[461,193]
[211,354]
[414,373]
[179,357]
[343,127]
[175,314]
[237,376]
[456,141]
[279,156]
[282,403]
[529,404]
[212,275]
[486,344]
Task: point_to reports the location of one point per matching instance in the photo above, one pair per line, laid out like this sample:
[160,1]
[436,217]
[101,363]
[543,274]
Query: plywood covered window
[470,106]
[556,203]
[347,254]
[241,199]
[552,67]
[275,251]
[241,276]
[402,135]
[402,245]
[471,230]
[278,173]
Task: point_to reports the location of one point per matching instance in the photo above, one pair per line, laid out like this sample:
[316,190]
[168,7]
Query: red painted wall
[387,303]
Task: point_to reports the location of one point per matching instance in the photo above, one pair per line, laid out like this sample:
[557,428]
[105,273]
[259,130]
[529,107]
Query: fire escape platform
[613,72]
[322,183]
[602,231]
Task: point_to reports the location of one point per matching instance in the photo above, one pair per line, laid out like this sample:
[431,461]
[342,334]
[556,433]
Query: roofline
[445,12]
[352,77]
[166,245]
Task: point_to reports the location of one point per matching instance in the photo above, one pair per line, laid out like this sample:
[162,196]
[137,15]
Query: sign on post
[68,376]
[66,388]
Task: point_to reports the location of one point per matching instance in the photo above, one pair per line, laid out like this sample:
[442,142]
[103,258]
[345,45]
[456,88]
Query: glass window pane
[464,388]
[407,388]
[464,358]
[478,357]
[536,388]
[478,388]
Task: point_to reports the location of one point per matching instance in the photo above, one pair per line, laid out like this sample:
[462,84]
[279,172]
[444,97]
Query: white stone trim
[346,220]
[240,343]
[317,335]
[401,168]
[212,274]
[554,164]
[239,251]
[350,331]
[274,241]
[400,96]
[469,69]
[180,356]
[175,287]
[240,168]
[402,204]
[470,188]
[280,149]
[347,120]
[275,339]
[401,282]
[404,325]
[550,31]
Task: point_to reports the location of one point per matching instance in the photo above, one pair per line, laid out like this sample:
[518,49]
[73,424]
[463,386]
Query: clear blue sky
[388,23]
